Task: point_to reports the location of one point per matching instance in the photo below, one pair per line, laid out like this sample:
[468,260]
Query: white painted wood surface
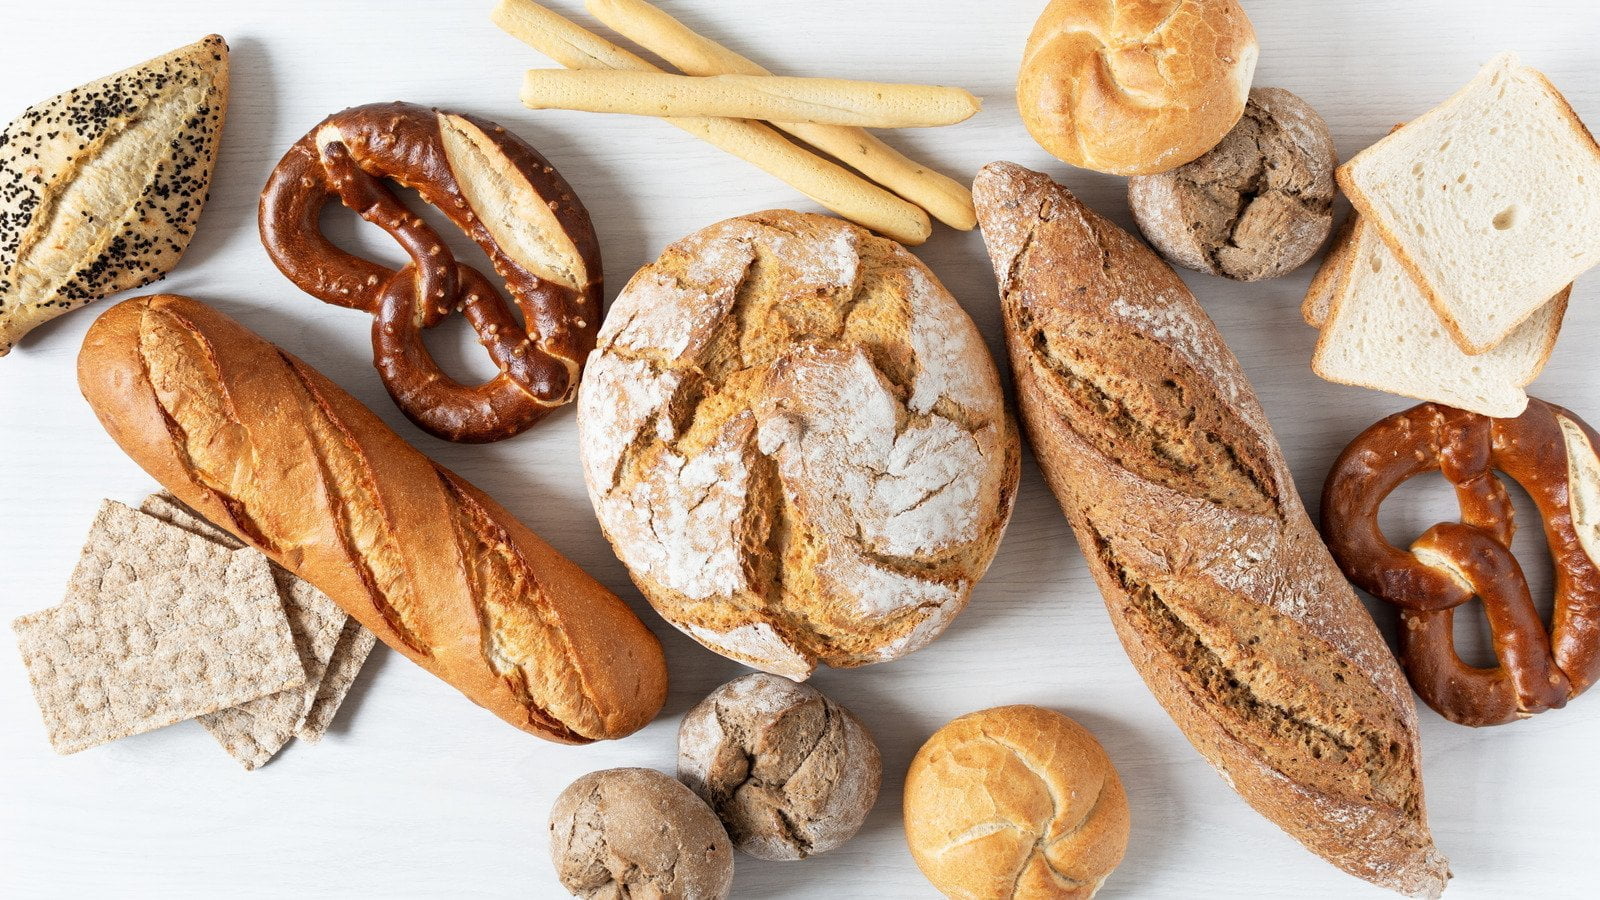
[416,791]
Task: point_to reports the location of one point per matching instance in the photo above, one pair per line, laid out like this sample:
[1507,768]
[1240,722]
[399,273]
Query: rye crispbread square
[158,625]
[254,732]
[348,656]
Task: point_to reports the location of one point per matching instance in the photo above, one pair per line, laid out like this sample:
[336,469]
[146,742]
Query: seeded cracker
[158,626]
[254,732]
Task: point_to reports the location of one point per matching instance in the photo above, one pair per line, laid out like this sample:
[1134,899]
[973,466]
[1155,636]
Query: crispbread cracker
[348,656]
[159,625]
[253,732]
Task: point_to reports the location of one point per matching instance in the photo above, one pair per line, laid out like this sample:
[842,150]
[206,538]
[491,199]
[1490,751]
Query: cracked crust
[638,833]
[1015,801]
[1256,206]
[1226,600]
[1135,87]
[795,439]
[790,773]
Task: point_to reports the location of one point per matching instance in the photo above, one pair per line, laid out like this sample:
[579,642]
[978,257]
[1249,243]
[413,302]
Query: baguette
[264,446]
[833,187]
[828,101]
[1221,591]
[946,199]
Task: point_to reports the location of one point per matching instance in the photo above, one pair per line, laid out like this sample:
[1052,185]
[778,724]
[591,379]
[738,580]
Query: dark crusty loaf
[264,446]
[1217,582]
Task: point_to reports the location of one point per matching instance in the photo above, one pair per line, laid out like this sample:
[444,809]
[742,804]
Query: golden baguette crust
[267,448]
[1222,592]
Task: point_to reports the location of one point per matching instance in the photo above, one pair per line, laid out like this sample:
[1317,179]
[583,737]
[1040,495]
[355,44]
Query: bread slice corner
[1490,201]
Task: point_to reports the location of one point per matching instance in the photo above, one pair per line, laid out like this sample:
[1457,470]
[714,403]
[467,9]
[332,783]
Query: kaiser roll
[1015,802]
[1134,87]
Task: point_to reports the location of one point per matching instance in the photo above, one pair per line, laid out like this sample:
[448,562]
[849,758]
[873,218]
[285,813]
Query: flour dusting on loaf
[795,439]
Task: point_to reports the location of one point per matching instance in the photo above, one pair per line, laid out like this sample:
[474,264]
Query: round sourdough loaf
[1015,802]
[795,440]
[1134,87]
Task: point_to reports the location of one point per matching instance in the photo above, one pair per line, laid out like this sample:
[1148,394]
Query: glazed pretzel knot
[503,195]
[1552,454]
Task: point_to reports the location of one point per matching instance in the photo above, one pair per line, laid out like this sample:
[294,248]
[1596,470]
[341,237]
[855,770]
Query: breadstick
[949,200]
[825,101]
[835,188]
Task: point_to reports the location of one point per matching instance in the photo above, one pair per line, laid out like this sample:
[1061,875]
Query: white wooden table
[418,792]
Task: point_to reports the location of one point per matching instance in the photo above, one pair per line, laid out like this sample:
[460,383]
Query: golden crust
[1135,87]
[1015,801]
[264,446]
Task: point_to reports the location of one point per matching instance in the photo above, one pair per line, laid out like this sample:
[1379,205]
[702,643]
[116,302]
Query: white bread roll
[1015,802]
[1135,88]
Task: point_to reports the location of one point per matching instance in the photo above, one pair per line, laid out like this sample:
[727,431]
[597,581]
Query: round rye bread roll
[1015,803]
[790,773]
[638,833]
[1133,87]
[795,440]
[1257,205]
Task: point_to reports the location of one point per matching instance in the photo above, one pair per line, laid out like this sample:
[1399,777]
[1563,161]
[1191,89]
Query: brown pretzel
[503,195]
[1552,454]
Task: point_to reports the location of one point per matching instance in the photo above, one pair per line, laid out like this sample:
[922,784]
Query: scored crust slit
[795,440]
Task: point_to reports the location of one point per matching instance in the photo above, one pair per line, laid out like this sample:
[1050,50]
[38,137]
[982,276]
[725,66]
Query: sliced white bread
[1319,297]
[1381,333]
[1491,200]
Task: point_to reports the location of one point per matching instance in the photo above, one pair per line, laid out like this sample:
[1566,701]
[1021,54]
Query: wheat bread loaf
[1221,590]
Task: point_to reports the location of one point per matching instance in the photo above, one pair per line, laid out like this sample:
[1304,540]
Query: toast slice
[1491,200]
[1380,333]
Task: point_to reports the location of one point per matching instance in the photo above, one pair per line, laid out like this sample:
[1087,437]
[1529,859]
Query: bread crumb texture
[101,186]
[794,438]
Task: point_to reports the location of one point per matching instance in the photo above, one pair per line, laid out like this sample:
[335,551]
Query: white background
[418,792]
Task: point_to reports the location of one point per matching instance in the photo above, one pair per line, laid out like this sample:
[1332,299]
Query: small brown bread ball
[1015,802]
[1132,87]
[790,772]
[1257,206]
[638,833]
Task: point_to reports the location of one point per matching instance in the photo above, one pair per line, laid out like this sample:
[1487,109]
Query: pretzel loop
[503,195]
[1454,562]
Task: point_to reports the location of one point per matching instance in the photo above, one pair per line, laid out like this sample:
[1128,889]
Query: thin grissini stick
[830,185]
[770,98]
[948,200]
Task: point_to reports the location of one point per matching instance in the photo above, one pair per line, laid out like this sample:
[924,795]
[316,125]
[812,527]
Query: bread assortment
[1232,610]
[272,452]
[790,773]
[1552,454]
[796,442]
[101,187]
[1135,88]
[1257,205]
[1015,802]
